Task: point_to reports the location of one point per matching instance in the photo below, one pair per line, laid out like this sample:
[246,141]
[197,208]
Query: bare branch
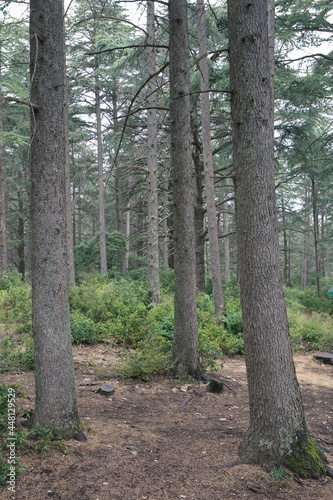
[5,100]
[127,47]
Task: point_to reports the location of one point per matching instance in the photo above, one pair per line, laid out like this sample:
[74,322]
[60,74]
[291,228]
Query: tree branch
[5,100]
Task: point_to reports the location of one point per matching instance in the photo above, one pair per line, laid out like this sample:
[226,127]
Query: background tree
[54,372]
[277,431]
[185,341]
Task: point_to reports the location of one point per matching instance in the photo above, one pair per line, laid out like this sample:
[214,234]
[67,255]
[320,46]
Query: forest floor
[142,445]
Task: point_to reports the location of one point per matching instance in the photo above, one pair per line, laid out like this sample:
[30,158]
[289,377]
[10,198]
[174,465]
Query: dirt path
[142,446]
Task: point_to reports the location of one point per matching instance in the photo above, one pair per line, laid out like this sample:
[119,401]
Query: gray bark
[153,248]
[101,202]
[277,426]
[3,224]
[54,371]
[185,343]
[214,247]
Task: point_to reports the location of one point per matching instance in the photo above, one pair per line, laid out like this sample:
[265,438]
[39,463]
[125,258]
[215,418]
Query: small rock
[79,436]
[106,390]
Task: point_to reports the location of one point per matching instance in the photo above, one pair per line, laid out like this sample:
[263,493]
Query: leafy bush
[118,308]
[16,352]
[83,329]
[310,331]
[15,307]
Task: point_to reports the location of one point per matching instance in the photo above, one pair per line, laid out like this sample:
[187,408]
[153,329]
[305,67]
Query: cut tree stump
[325,357]
[106,390]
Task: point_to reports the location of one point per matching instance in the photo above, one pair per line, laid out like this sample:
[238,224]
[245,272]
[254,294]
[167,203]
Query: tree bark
[3,224]
[101,202]
[153,248]
[214,247]
[185,342]
[54,372]
[277,432]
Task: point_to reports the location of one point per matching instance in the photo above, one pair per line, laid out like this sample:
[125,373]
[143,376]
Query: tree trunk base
[306,459]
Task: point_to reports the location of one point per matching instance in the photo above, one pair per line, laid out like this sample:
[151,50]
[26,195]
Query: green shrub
[310,332]
[233,322]
[16,352]
[15,307]
[83,329]
[118,308]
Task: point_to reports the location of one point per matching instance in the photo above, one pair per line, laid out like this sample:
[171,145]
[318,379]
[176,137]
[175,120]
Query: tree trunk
[214,247]
[315,230]
[153,249]
[54,371]
[102,235]
[199,214]
[226,241]
[3,225]
[277,432]
[185,342]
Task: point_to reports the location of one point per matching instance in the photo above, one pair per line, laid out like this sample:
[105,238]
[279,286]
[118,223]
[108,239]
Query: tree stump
[324,357]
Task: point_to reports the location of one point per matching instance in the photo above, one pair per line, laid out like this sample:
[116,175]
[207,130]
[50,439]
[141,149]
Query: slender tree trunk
[54,371]
[165,230]
[214,247]
[153,248]
[128,234]
[315,230]
[286,275]
[69,217]
[3,224]
[185,342]
[199,215]
[226,242]
[102,234]
[277,432]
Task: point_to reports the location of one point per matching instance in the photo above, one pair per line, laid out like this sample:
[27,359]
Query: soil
[142,445]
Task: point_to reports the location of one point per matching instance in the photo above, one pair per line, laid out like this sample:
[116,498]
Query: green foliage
[15,304]
[280,474]
[118,308]
[88,255]
[152,357]
[83,329]
[16,352]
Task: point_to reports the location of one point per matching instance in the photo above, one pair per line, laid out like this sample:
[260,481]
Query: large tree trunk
[185,342]
[54,371]
[214,247]
[153,249]
[277,431]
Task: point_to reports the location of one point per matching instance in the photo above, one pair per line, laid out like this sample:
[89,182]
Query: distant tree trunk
[3,225]
[127,235]
[54,372]
[199,214]
[226,242]
[165,230]
[153,248]
[69,216]
[315,230]
[305,256]
[21,236]
[286,272]
[118,186]
[185,342]
[214,247]
[277,432]
[102,234]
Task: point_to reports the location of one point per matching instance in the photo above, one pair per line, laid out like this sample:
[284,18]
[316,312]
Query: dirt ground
[142,445]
